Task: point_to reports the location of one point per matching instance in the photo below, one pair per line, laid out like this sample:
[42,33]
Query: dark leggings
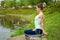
[31,32]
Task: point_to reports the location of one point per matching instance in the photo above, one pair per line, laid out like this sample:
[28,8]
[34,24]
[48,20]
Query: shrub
[52,8]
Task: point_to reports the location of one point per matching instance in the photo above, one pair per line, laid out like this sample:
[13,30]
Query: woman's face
[38,9]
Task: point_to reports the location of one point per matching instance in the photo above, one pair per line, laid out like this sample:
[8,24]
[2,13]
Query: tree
[7,4]
[2,3]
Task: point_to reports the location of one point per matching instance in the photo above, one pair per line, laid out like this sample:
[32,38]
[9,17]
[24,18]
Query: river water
[5,33]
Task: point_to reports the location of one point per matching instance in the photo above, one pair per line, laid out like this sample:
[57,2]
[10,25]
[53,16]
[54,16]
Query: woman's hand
[34,29]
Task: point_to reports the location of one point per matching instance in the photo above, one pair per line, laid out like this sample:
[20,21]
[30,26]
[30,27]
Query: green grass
[24,12]
[52,25]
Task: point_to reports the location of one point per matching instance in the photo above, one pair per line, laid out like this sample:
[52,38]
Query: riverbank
[21,37]
[52,20]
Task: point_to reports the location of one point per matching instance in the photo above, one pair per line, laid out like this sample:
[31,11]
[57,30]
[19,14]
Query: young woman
[39,22]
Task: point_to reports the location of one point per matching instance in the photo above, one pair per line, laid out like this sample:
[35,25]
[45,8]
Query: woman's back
[38,24]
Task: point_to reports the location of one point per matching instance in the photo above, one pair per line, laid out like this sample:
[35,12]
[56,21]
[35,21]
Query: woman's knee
[27,31]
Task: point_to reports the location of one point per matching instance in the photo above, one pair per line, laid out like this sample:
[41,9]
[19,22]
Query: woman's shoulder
[41,15]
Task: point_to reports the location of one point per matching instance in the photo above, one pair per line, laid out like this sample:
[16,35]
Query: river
[5,33]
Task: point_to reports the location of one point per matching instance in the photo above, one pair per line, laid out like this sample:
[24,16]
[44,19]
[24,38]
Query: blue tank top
[37,22]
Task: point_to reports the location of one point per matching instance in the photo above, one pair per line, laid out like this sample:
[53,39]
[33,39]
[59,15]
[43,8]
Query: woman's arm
[42,21]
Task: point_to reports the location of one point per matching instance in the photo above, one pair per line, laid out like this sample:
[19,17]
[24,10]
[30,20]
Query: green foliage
[7,4]
[24,12]
[15,3]
[52,8]
[2,3]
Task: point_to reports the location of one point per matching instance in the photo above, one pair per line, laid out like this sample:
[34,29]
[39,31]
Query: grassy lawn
[52,24]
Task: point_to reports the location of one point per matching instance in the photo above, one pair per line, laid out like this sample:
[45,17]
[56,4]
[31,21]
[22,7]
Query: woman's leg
[30,32]
[39,31]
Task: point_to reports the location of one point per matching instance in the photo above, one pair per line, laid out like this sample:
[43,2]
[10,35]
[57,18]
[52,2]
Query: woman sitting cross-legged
[39,22]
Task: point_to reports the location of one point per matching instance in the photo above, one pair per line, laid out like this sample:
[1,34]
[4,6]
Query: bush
[52,8]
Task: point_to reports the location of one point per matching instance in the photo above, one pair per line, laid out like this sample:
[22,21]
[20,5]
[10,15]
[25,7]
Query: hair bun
[44,4]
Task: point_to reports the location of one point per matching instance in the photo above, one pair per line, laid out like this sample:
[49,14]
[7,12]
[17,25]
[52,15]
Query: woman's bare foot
[45,33]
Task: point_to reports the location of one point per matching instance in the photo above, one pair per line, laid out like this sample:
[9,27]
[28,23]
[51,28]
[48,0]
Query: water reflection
[5,33]
[13,22]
